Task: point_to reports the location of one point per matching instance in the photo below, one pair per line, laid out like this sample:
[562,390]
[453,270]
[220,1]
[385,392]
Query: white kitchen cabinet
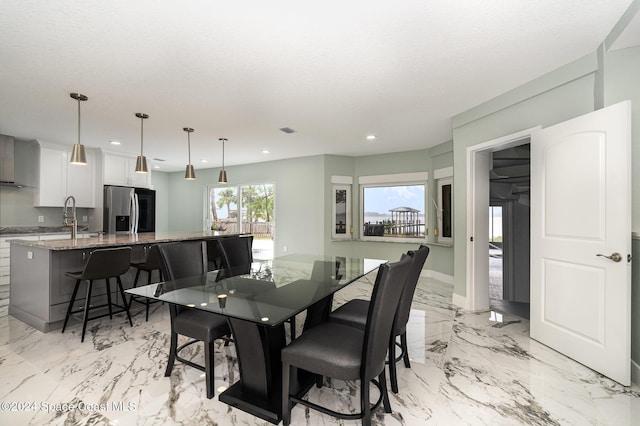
[81,181]
[52,187]
[59,179]
[119,170]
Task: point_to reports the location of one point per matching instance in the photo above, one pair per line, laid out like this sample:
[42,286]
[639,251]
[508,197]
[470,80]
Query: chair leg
[135,284]
[172,353]
[209,361]
[286,403]
[393,377]
[146,301]
[365,404]
[292,324]
[405,351]
[108,280]
[87,301]
[385,394]
[70,308]
[124,300]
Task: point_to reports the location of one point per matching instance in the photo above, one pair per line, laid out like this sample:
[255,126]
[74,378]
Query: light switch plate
[40,219]
[85,218]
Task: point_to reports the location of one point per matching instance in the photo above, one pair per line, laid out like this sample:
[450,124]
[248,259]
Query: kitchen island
[40,290]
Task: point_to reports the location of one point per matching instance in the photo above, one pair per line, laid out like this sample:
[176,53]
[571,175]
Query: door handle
[616,257]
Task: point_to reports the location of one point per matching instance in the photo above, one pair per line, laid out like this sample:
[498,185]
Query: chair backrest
[183,259]
[213,255]
[107,263]
[180,260]
[404,307]
[323,270]
[236,254]
[382,308]
[154,260]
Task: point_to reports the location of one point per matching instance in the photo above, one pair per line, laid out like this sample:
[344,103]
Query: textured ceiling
[334,71]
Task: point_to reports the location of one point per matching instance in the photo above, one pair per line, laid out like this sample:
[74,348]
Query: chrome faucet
[65,216]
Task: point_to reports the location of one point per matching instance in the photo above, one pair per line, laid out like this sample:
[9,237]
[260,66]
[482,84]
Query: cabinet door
[81,181]
[116,170]
[53,178]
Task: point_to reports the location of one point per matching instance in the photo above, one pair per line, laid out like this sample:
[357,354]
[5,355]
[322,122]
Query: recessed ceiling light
[156,167]
[266,151]
[204,160]
[371,137]
[114,142]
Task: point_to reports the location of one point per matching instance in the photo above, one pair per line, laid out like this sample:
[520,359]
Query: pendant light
[77,154]
[141,161]
[223,174]
[189,173]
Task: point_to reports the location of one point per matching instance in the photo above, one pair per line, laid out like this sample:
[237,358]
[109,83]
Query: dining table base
[259,390]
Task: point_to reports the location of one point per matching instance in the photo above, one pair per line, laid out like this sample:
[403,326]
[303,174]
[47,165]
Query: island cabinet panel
[30,288]
[61,286]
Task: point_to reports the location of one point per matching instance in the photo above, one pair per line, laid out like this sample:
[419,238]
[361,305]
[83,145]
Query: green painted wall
[440,258]
[546,101]
[561,95]
[300,201]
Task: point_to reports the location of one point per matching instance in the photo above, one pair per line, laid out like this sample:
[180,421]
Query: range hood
[7,163]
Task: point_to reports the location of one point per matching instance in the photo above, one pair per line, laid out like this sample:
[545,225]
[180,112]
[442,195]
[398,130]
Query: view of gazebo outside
[394,211]
[252,213]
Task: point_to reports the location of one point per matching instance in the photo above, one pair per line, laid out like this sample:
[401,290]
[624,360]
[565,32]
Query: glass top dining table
[272,292]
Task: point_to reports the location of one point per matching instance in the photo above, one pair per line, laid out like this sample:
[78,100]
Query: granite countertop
[13,231]
[118,240]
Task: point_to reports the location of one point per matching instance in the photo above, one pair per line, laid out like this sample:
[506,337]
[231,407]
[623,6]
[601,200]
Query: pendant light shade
[141,161]
[77,154]
[222,178]
[190,173]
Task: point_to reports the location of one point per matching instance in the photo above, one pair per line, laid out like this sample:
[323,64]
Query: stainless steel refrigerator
[129,210]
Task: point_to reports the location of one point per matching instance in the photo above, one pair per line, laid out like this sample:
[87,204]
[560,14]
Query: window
[341,208]
[246,209]
[392,207]
[444,206]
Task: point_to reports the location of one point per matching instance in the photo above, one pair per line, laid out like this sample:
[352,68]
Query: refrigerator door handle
[136,215]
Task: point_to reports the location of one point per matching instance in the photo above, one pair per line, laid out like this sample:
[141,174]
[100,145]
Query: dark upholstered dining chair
[236,254]
[349,353]
[354,313]
[180,260]
[102,264]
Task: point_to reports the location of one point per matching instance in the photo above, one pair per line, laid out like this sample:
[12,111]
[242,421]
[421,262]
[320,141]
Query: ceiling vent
[287,130]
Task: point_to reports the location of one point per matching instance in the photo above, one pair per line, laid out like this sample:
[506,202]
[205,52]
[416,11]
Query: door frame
[477,283]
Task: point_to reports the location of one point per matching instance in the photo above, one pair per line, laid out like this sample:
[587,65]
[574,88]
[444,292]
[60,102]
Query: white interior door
[580,210]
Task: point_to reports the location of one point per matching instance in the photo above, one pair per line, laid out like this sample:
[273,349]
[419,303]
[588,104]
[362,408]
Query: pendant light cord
[78,121]
[189,145]
[141,135]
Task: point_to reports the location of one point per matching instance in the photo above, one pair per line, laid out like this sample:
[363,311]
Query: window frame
[399,179]
[340,183]
[207,219]
[443,177]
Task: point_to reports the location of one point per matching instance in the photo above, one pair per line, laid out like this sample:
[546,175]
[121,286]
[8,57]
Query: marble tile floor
[4,300]
[467,369]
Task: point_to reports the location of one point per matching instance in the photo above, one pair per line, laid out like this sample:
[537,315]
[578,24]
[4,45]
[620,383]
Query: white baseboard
[635,373]
[428,273]
[459,301]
